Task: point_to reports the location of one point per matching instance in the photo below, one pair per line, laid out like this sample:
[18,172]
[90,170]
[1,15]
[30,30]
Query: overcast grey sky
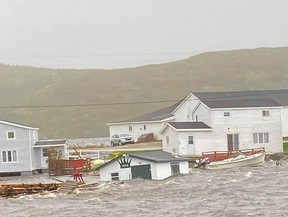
[128,33]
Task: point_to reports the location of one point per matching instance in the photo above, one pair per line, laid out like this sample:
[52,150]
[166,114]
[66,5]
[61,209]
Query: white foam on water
[249,174]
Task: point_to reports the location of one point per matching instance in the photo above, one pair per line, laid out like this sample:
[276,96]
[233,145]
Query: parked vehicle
[121,139]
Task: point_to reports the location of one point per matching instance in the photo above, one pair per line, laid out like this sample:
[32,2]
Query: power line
[141,102]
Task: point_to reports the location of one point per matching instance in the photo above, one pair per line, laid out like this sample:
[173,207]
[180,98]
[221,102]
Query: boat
[235,159]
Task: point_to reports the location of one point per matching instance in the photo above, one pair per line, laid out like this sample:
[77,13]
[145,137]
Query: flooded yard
[248,191]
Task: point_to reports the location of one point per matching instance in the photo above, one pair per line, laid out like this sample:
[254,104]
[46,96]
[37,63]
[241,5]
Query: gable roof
[235,99]
[18,125]
[186,126]
[157,156]
[157,115]
[241,103]
[229,99]
[189,125]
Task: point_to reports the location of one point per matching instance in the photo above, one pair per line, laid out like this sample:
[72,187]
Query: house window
[260,138]
[167,139]
[45,152]
[265,113]
[10,135]
[144,127]
[9,156]
[175,169]
[190,140]
[226,114]
[114,176]
[130,128]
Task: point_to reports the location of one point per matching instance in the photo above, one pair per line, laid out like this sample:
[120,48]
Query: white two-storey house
[229,121]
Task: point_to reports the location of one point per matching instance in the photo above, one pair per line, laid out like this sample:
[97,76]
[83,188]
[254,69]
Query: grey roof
[157,156]
[232,99]
[156,115]
[240,103]
[189,125]
[235,99]
[50,142]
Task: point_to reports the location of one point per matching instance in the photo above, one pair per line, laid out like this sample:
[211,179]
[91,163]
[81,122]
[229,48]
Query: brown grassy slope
[263,68]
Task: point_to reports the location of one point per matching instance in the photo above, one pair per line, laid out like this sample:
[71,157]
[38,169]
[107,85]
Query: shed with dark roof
[146,165]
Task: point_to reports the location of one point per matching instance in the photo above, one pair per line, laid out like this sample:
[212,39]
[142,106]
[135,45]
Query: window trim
[13,160]
[265,113]
[10,131]
[228,114]
[261,138]
[46,152]
[189,140]
[130,128]
[114,176]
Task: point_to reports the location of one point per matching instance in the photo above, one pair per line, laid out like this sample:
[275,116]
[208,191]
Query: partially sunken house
[146,165]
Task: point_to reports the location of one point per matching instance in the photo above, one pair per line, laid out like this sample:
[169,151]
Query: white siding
[184,112]
[23,144]
[137,129]
[202,142]
[203,114]
[245,122]
[124,173]
[158,170]
[173,140]
[284,119]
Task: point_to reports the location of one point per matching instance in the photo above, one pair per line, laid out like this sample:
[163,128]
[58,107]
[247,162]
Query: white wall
[245,122]
[202,142]
[158,170]
[137,129]
[22,144]
[184,112]
[124,173]
[284,119]
[173,141]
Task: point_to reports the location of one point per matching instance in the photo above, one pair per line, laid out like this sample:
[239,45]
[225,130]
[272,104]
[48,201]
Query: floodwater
[248,191]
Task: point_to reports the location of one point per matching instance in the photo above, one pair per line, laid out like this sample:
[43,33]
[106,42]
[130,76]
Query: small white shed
[146,165]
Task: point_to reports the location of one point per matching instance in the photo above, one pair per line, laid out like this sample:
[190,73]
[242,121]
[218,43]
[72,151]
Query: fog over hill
[70,104]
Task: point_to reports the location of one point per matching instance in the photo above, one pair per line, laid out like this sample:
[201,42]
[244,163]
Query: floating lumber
[12,190]
[68,186]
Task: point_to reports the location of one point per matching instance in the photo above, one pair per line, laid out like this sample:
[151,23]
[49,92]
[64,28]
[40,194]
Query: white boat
[238,161]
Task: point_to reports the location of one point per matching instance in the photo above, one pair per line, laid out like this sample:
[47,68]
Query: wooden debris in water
[12,190]
[68,186]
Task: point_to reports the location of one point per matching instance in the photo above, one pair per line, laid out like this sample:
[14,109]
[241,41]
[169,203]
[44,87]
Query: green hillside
[256,69]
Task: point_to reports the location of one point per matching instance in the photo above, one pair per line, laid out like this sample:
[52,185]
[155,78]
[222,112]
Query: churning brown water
[249,191]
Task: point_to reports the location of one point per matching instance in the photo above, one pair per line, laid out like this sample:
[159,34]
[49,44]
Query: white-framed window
[10,134]
[167,139]
[45,152]
[144,127]
[265,113]
[260,138]
[130,128]
[9,156]
[114,176]
[190,140]
[226,114]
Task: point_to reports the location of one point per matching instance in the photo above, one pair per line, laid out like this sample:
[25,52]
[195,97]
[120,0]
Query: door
[233,142]
[141,171]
